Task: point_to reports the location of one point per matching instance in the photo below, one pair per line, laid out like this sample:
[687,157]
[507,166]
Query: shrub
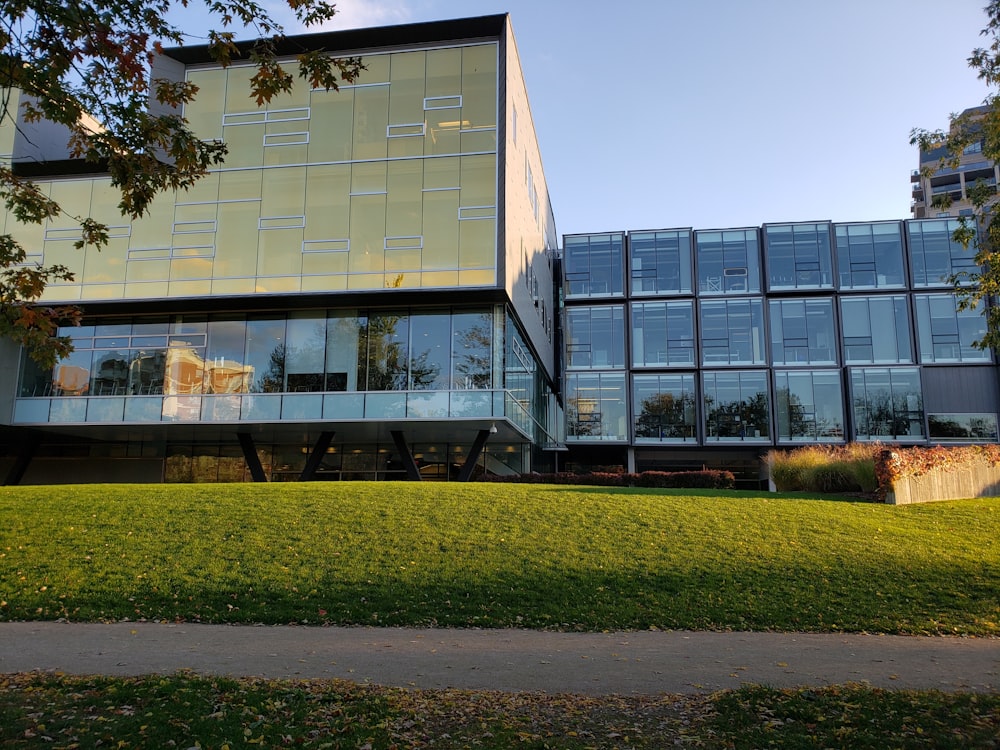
[826,468]
[707,479]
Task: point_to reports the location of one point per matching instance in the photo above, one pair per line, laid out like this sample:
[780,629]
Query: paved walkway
[647,662]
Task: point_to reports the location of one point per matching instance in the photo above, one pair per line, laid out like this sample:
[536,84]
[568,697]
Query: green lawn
[497,555]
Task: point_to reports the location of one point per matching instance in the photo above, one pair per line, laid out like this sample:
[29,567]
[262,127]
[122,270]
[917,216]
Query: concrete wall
[981,480]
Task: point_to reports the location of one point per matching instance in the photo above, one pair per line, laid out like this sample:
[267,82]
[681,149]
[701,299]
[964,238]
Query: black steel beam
[412,470]
[252,459]
[316,457]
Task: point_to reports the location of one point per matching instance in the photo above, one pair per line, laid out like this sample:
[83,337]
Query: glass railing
[277,407]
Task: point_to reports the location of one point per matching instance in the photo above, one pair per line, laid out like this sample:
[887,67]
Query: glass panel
[732,331]
[472,350]
[661,262]
[665,408]
[265,354]
[382,352]
[802,331]
[935,255]
[887,403]
[663,334]
[430,352]
[728,262]
[594,265]
[736,406]
[799,256]
[870,255]
[595,406]
[305,356]
[966,428]
[809,406]
[947,334]
[876,329]
[595,336]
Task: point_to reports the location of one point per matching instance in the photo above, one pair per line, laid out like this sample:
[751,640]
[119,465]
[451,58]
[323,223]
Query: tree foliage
[86,67]
[981,231]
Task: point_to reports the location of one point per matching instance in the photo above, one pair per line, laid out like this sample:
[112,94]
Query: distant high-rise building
[949,180]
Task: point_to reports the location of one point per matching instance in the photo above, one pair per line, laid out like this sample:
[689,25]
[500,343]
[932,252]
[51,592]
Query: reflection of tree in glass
[664,415]
[473,355]
[382,352]
[795,421]
[740,419]
[272,380]
[887,415]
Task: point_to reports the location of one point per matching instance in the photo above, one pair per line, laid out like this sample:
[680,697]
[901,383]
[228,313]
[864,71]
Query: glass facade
[798,256]
[390,182]
[843,326]
[300,365]
[660,262]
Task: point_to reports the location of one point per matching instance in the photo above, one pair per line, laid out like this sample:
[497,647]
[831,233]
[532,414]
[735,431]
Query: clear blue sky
[719,113]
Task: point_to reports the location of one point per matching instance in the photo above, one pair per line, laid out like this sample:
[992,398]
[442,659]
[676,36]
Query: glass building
[744,340]
[364,289]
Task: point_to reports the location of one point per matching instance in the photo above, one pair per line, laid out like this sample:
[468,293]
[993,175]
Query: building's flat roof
[349,41]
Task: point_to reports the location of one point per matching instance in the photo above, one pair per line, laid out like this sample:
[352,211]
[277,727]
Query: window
[809,406]
[934,253]
[966,428]
[798,256]
[661,262]
[595,406]
[594,265]
[802,332]
[870,255]
[736,406]
[595,336]
[663,334]
[665,408]
[876,329]
[732,332]
[947,334]
[887,403]
[728,262]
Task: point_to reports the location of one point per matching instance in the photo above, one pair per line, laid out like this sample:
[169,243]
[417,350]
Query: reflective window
[663,333]
[736,406]
[798,256]
[965,428]
[472,350]
[935,255]
[728,261]
[802,332]
[809,406]
[661,262]
[876,329]
[593,265]
[732,332]
[665,408]
[887,403]
[595,406]
[947,334]
[870,255]
[595,336]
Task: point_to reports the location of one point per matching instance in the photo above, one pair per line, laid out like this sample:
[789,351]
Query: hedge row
[707,479]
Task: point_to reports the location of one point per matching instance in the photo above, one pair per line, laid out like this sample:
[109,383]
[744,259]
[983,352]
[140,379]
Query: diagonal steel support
[252,459]
[465,473]
[316,457]
[412,470]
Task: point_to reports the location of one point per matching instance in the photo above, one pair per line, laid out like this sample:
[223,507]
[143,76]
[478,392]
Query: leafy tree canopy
[86,66]
[981,231]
